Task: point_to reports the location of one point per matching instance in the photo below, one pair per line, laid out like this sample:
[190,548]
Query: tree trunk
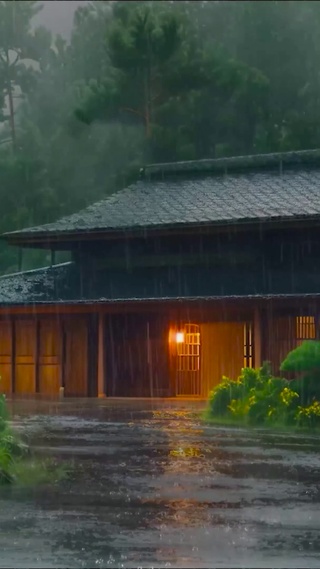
[11,105]
[11,117]
[147,104]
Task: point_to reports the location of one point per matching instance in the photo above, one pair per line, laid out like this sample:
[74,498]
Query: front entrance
[205,352]
[188,361]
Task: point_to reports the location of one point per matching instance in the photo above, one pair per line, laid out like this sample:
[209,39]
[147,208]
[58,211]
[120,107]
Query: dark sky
[57,15]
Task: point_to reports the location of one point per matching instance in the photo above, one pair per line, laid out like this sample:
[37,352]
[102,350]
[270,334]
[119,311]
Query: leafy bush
[221,396]
[228,391]
[256,397]
[304,361]
[11,448]
[274,402]
[309,416]
[305,358]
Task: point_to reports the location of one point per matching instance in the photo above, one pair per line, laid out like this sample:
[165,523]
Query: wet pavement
[153,487]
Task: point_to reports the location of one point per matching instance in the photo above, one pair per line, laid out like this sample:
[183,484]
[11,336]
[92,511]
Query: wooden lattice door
[188,361]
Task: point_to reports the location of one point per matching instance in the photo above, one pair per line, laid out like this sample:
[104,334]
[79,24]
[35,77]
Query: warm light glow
[180,337]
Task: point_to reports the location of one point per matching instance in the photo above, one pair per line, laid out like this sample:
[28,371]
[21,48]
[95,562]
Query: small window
[305,328]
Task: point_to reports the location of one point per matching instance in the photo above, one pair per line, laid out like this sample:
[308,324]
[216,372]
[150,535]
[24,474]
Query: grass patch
[18,465]
[34,471]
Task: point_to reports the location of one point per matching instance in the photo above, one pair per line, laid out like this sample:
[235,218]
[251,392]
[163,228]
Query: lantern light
[180,337]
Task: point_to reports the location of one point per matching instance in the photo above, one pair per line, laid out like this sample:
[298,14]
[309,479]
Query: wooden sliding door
[50,343]
[40,355]
[76,357]
[25,357]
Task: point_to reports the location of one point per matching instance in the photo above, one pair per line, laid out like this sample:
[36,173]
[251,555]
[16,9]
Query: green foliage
[309,416]
[304,361]
[256,397]
[304,358]
[17,465]
[273,402]
[221,396]
[11,448]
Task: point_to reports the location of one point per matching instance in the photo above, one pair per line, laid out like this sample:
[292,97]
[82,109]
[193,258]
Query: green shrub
[304,361]
[275,402]
[221,396]
[256,397]
[250,378]
[11,447]
[4,415]
[309,416]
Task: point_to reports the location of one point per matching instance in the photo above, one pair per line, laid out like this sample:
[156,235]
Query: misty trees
[16,46]
[146,81]
[191,100]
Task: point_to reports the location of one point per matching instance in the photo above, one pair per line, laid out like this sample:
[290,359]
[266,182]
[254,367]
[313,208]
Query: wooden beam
[221,309]
[101,356]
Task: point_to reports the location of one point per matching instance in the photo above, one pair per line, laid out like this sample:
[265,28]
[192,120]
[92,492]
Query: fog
[57,15]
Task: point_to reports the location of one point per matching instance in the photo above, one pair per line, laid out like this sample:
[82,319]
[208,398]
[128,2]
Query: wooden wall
[137,359]
[280,339]
[235,262]
[40,355]
[222,352]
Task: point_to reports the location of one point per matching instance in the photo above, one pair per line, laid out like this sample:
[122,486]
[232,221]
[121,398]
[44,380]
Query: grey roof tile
[213,197]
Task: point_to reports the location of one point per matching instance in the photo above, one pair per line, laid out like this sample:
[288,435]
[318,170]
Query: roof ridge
[231,162]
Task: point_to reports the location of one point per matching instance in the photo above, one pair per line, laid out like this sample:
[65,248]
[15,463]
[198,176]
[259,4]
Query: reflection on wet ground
[152,486]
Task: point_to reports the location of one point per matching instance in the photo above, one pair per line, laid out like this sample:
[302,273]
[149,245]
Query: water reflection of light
[187,454]
[180,495]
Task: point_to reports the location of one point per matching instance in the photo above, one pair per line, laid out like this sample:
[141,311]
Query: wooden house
[195,271]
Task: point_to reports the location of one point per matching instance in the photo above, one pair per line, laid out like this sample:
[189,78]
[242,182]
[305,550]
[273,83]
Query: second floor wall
[252,262]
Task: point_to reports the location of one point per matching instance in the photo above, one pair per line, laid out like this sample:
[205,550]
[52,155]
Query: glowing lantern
[180,337]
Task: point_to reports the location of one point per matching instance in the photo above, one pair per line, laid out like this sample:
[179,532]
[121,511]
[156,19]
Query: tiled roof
[225,191]
[48,284]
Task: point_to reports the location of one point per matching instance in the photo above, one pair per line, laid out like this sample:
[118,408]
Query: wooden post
[257,338]
[317,325]
[149,356]
[62,350]
[13,356]
[36,357]
[101,357]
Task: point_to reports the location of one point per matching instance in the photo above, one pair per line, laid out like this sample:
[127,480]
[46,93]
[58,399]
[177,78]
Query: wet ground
[153,487]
